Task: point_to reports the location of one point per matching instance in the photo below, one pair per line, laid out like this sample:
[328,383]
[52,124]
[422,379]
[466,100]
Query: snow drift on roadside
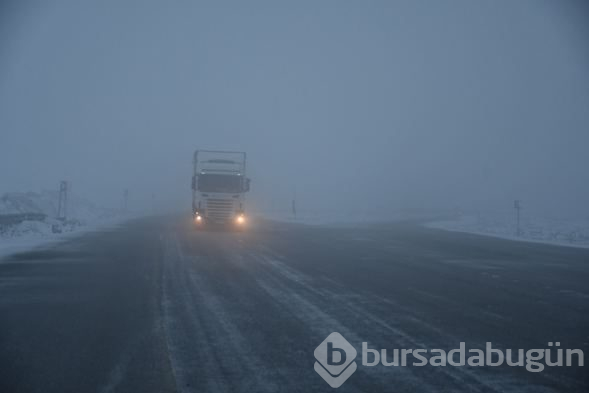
[562,231]
[82,215]
[46,202]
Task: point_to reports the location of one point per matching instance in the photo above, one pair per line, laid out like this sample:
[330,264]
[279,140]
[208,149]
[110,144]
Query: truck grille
[219,209]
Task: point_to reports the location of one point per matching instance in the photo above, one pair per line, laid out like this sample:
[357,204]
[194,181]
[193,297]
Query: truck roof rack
[241,154]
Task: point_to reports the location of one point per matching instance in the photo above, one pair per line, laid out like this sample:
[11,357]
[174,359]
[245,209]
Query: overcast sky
[356,104]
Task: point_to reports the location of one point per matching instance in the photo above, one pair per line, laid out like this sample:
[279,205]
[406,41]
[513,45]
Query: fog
[353,104]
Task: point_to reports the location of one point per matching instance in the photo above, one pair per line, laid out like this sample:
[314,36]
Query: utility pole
[517,206]
[62,202]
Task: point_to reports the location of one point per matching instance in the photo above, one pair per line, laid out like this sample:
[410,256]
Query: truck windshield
[219,183]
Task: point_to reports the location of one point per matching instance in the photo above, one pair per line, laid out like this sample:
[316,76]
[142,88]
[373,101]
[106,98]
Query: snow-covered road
[155,306]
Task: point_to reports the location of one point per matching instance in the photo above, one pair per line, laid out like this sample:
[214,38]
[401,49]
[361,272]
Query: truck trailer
[219,184]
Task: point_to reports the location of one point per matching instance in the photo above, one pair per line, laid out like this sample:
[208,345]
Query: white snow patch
[33,234]
[42,227]
[561,231]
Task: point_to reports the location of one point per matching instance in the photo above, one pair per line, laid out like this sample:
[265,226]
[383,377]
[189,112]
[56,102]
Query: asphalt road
[155,306]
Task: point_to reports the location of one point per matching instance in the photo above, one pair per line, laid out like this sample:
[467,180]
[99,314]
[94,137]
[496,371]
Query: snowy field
[83,216]
[553,230]
[41,235]
[561,231]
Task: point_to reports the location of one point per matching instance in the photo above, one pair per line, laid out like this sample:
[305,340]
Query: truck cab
[219,184]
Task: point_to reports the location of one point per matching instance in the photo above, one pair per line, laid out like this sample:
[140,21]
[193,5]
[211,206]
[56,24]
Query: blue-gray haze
[356,104]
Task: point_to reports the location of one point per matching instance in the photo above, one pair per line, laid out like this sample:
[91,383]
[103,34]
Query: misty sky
[356,104]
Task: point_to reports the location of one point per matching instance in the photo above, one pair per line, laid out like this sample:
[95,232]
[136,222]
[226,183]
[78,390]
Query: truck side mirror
[247,184]
[194,182]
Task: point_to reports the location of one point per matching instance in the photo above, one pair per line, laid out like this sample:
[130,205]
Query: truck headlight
[198,218]
[240,219]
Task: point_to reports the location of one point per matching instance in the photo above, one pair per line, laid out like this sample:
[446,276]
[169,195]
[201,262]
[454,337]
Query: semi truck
[219,184]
